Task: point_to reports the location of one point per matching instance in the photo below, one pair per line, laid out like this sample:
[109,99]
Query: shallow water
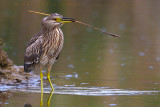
[83,91]
[80,96]
[93,70]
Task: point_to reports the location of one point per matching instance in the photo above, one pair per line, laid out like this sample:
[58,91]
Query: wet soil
[11,73]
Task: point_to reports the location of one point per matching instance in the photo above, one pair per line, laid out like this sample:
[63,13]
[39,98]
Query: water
[95,96]
[93,70]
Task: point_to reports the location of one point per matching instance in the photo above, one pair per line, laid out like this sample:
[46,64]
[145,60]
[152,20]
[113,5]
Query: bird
[44,48]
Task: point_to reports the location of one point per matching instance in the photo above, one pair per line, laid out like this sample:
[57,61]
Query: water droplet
[113,104]
[141,54]
[43,71]
[121,26]
[122,64]
[69,76]
[6,103]
[70,85]
[151,67]
[111,51]
[76,75]
[158,58]
[71,66]
[84,83]
[45,78]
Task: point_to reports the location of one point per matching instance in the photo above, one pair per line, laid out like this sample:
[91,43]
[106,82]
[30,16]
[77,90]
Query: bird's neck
[53,32]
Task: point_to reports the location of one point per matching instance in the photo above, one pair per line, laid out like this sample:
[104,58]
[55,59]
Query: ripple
[83,91]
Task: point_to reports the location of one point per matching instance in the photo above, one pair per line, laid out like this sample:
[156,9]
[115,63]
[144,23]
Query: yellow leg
[49,99]
[41,76]
[48,76]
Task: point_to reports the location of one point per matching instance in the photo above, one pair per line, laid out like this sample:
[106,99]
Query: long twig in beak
[110,34]
[38,12]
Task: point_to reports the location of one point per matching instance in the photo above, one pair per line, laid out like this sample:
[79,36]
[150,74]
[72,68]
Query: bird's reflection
[41,103]
[49,99]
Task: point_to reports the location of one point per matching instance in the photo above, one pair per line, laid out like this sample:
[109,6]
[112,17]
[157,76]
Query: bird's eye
[55,19]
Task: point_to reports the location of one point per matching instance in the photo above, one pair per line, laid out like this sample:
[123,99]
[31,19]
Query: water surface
[94,70]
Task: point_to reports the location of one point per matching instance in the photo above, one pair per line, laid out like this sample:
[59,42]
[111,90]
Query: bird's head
[56,20]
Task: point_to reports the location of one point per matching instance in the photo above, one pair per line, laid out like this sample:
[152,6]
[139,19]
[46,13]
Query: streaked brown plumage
[44,48]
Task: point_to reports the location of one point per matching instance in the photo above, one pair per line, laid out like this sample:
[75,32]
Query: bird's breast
[52,46]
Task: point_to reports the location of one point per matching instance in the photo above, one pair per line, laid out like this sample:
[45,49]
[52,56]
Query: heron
[44,48]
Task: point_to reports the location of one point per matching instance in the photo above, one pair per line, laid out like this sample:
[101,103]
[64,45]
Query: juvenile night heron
[44,48]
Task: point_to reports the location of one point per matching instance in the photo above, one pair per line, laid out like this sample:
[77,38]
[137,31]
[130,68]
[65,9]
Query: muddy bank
[11,73]
[15,74]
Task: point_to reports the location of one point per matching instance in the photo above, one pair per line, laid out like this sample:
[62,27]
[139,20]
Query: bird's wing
[33,52]
[34,38]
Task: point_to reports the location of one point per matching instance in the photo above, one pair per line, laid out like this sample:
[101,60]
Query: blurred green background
[91,57]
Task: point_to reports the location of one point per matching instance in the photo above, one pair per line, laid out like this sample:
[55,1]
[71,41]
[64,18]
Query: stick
[110,34]
[38,12]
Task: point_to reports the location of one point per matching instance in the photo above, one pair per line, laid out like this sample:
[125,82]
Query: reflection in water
[4,96]
[83,91]
[77,91]
[41,75]
[49,99]
[41,103]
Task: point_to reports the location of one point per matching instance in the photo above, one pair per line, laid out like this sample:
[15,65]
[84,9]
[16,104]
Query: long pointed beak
[67,20]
